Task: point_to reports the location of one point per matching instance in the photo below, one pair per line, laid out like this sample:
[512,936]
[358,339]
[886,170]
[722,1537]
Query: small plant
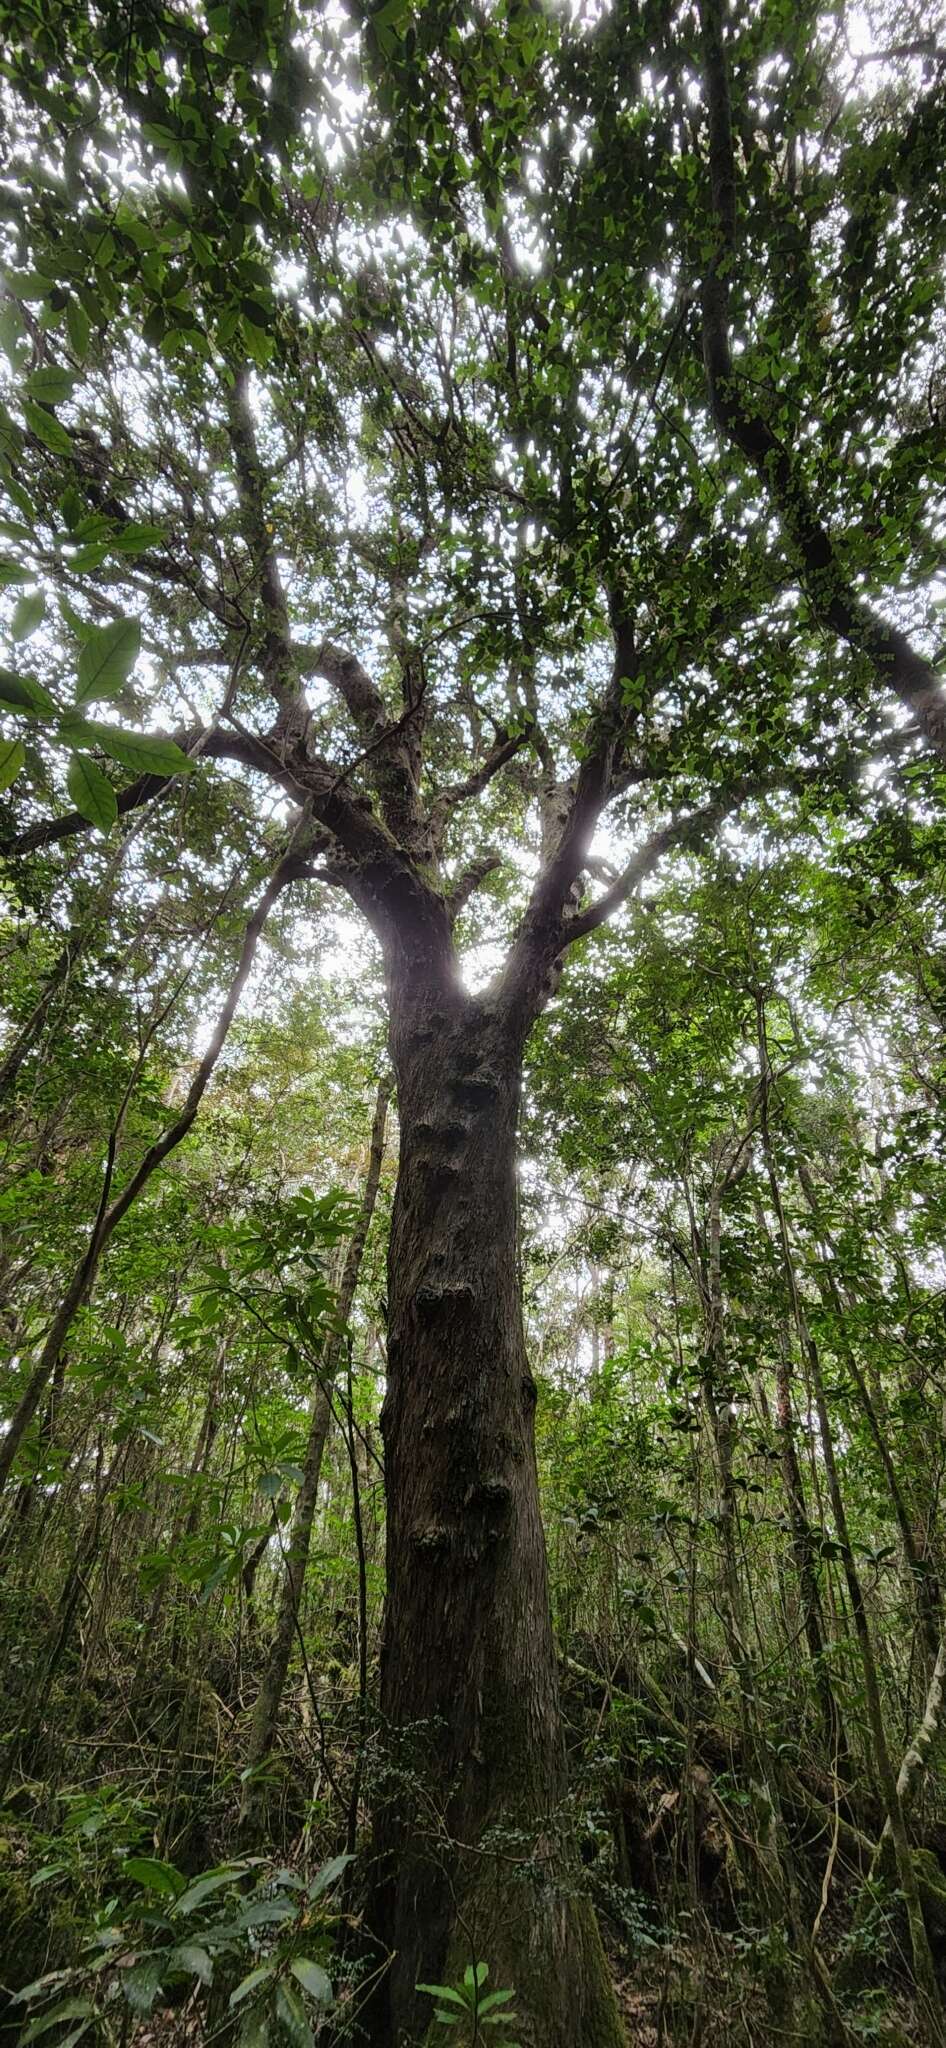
[176,1932]
[464,2005]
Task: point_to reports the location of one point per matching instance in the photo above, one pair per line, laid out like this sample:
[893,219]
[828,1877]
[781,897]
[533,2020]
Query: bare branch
[469,881]
[693,830]
[505,747]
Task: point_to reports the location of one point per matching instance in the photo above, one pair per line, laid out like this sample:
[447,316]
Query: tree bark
[469,1685]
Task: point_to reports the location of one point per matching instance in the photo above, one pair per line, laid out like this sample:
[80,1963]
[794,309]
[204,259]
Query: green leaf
[107,659]
[329,1871]
[12,572]
[77,327]
[151,1872]
[137,537]
[443,1991]
[87,558]
[143,752]
[47,428]
[12,757]
[93,795]
[24,693]
[204,1887]
[192,1957]
[313,1979]
[254,2031]
[142,1983]
[80,733]
[70,2009]
[252,1983]
[51,384]
[11,330]
[41,1986]
[389,23]
[265,1913]
[28,614]
[29,284]
[69,2040]
[70,505]
[291,2011]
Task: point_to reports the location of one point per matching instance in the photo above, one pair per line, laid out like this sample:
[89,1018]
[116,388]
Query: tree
[432,483]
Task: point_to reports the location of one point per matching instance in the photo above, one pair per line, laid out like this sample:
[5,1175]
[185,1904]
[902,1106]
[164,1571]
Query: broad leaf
[47,428]
[142,1983]
[313,1979]
[51,385]
[329,1871]
[204,1887]
[144,753]
[77,328]
[291,2011]
[70,2009]
[137,538]
[191,1956]
[151,1872]
[252,1983]
[493,1998]
[254,2031]
[24,693]
[443,1991]
[29,614]
[12,757]
[107,659]
[92,793]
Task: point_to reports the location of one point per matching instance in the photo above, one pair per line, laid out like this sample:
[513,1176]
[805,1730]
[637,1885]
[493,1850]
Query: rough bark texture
[469,1690]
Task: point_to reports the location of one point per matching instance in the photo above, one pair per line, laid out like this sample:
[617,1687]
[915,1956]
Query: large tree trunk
[469,1690]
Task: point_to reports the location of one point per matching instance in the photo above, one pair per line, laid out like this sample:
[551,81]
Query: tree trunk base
[539,1942]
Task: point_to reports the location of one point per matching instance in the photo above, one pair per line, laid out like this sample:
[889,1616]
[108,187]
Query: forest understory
[472,996]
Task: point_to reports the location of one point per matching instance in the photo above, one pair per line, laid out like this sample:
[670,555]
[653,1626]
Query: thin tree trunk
[111,1214]
[804,1552]
[923,1578]
[802,1542]
[183,1525]
[919,1939]
[269,1698]
[717,1401]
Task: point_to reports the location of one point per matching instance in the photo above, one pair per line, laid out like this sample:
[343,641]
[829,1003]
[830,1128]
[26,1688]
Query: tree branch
[894,659]
[469,881]
[693,830]
[505,747]
[278,665]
